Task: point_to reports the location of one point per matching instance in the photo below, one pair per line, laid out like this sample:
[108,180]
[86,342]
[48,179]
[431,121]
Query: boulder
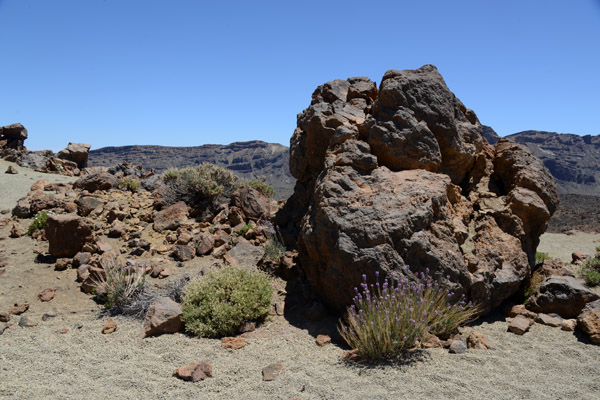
[171,217]
[96,181]
[66,234]
[77,153]
[87,204]
[13,136]
[22,209]
[403,176]
[183,252]
[563,295]
[251,202]
[589,321]
[163,316]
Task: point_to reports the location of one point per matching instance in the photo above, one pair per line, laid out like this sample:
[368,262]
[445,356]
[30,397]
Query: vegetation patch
[129,183]
[541,257]
[590,271]
[262,187]
[219,303]
[119,284]
[38,222]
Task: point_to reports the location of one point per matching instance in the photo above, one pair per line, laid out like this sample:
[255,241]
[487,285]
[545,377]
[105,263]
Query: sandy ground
[39,363]
[561,246]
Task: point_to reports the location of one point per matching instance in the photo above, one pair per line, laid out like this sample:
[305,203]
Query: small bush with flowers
[390,317]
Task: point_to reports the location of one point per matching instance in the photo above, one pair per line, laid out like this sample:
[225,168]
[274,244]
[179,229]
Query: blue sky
[186,73]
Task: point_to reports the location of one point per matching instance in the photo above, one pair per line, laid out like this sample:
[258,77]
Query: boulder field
[401,175]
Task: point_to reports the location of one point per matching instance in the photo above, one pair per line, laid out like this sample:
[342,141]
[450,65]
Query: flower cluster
[390,317]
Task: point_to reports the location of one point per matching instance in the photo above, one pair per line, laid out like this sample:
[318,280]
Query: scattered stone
[184,252]
[78,325]
[433,342]
[96,181]
[171,217]
[234,343]
[520,309]
[477,341]
[77,153]
[62,331]
[87,204]
[194,372]
[563,295]
[49,314]
[22,209]
[351,355]
[11,170]
[47,295]
[83,272]
[3,327]
[546,319]
[109,327]
[589,321]
[568,325]
[4,316]
[519,325]
[578,257]
[81,258]
[117,229]
[62,264]
[103,247]
[163,316]
[271,371]
[248,326]
[16,231]
[165,273]
[323,340]
[457,347]
[26,322]
[19,309]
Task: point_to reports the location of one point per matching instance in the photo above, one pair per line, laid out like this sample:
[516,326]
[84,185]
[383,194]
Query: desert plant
[262,187]
[244,229]
[390,317]
[219,303]
[541,257]
[275,247]
[119,283]
[38,222]
[129,183]
[590,271]
[140,302]
[196,185]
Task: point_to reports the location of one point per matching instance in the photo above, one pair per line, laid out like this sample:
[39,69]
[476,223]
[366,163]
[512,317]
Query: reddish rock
[433,342]
[205,243]
[19,309]
[38,185]
[62,264]
[87,204]
[43,202]
[96,181]
[62,331]
[171,217]
[77,153]
[103,247]
[234,343]
[578,257]
[251,202]
[194,372]
[117,229]
[519,325]
[322,340]
[66,234]
[271,371]
[563,295]
[184,252]
[16,231]
[47,295]
[163,316]
[4,316]
[568,325]
[589,321]
[520,309]
[109,327]
[546,319]
[477,341]
[11,170]
[83,272]
[81,258]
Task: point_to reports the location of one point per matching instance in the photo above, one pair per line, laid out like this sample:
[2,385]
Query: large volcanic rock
[13,136]
[403,176]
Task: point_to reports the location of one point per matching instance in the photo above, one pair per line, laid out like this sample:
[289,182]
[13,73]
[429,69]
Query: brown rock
[205,243]
[47,295]
[322,340]
[38,185]
[13,136]
[271,371]
[17,231]
[81,258]
[563,295]
[568,325]
[578,257]
[476,340]
[83,272]
[589,321]
[163,316]
[251,202]
[62,264]
[87,204]
[11,170]
[519,325]
[184,252]
[109,327]
[546,319]
[96,181]
[171,217]
[67,234]
[62,331]
[117,229]
[234,343]
[43,202]
[19,309]
[194,372]
[4,316]
[103,247]
[520,309]
[22,209]
[433,342]
[77,153]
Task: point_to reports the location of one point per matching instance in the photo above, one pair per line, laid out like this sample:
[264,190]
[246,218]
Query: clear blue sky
[186,73]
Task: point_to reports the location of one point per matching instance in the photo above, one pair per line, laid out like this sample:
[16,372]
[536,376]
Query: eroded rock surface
[403,176]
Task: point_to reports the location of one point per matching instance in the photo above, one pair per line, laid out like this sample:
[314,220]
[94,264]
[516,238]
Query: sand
[39,363]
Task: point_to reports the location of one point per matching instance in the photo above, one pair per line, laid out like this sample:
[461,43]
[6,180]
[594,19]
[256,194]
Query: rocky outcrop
[77,153]
[13,137]
[403,176]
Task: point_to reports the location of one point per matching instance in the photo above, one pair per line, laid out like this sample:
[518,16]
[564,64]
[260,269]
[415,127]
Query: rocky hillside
[268,162]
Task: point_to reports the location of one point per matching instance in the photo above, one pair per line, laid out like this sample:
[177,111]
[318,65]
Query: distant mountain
[268,162]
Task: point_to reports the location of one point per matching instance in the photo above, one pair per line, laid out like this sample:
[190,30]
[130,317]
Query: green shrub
[196,185]
[262,187]
[39,222]
[386,319]
[129,183]
[245,229]
[120,283]
[590,271]
[219,303]
[541,257]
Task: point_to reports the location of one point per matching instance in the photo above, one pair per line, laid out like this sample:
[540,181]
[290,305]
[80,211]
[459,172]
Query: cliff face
[268,162]
[573,160]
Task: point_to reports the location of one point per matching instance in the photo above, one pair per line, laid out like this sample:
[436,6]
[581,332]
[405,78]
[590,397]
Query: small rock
[47,295]
[546,319]
[19,309]
[26,322]
[4,316]
[234,343]
[16,231]
[11,170]
[520,309]
[589,321]
[280,308]
[568,325]
[62,264]
[165,273]
[78,325]
[322,340]
[248,327]
[519,325]
[477,341]
[351,355]
[458,347]
[432,342]
[184,252]
[50,314]
[109,327]
[194,372]
[163,316]
[62,331]
[3,327]
[83,272]
[578,257]
[103,247]
[271,371]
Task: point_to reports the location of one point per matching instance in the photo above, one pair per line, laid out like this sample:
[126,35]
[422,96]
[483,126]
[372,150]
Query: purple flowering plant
[392,316]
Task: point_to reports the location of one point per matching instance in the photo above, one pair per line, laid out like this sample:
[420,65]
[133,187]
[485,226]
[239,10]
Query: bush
[129,183]
[218,304]
[590,271]
[39,222]
[541,257]
[120,283]
[386,319]
[274,248]
[196,185]
[262,187]
[140,302]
